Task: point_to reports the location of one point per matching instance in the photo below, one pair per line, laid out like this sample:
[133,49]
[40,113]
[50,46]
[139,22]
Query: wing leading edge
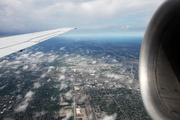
[13,44]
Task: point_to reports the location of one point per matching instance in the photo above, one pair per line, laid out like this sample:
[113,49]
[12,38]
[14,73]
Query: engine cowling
[159,65]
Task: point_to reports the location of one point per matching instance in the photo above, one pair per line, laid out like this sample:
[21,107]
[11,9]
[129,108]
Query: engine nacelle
[159,65]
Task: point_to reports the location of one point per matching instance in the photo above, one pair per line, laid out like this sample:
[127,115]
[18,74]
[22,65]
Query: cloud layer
[34,15]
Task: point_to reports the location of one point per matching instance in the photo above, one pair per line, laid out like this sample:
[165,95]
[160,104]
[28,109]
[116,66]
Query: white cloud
[130,81]
[52,58]
[62,77]
[4,62]
[23,105]
[62,48]
[68,115]
[18,72]
[68,95]
[50,69]
[109,75]
[94,62]
[126,27]
[87,13]
[36,85]
[29,95]
[30,61]
[43,75]
[25,67]
[92,71]
[33,67]
[23,57]
[52,98]
[63,85]
[38,114]
[112,117]
[48,80]
[114,61]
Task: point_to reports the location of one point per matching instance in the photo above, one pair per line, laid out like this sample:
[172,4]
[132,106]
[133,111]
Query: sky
[91,17]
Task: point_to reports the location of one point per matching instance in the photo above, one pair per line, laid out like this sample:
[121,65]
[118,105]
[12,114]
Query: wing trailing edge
[16,43]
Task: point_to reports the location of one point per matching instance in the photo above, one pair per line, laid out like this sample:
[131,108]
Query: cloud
[48,80]
[33,66]
[4,62]
[38,114]
[36,85]
[52,58]
[25,67]
[94,62]
[29,95]
[50,69]
[37,14]
[23,105]
[130,81]
[112,76]
[18,72]
[68,115]
[114,61]
[30,61]
[62,48]
[126,27]
[62,77]
[52,98]
[92,71]
[63,85]
[68,95]
[43,75]
[23,57]
[112,117]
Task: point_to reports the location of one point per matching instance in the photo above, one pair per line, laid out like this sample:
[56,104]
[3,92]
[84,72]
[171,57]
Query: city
[73,79]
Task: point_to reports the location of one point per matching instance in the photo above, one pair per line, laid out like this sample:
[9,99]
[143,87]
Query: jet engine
[159,65]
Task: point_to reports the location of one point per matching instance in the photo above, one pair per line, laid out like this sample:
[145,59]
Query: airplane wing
[13,44]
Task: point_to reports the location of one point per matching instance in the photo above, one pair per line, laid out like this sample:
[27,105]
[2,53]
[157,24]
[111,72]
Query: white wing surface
[13,44]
